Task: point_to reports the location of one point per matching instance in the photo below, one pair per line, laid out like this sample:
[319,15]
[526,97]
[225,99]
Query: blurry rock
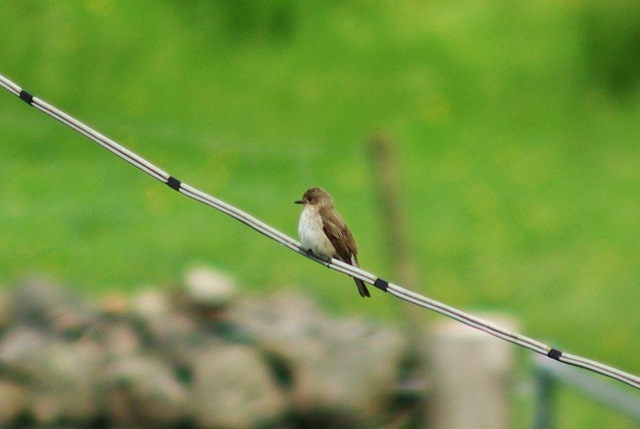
[174,337]
[119,338]
[155,361]
[234,388]
[209,289]
[37,301]
[58,375]
[144,390]
[170,332]
[66,387]
[13,402]
[151,303]
[114,304]
[45,304]
[349,373]
[342,371]
[21,350]
[281,324]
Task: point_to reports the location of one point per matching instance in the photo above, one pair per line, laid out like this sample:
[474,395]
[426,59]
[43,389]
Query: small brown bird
[323,231]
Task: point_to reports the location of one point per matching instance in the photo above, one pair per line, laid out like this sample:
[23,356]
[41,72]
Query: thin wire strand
[334,264]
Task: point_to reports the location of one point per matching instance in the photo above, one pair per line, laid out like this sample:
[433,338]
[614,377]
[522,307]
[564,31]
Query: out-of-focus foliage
[612,45]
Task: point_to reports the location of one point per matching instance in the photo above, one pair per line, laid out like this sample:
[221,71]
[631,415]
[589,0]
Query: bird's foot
[310,253]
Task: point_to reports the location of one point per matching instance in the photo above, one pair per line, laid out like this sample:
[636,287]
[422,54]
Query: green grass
[519,161]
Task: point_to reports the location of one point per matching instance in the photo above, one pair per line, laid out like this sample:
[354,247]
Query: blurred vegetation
[518,125]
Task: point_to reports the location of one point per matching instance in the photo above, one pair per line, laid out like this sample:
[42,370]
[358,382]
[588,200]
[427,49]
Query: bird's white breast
[312,234]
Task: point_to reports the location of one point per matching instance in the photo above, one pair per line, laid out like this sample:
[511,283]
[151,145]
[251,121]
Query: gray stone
[114,304]
[209,289]
[174,337]
[349,373]
[233,388]
[144,390]
[37,301]
[45,304]
[119,339]
[66,388]
[162,360]
[151,303]
[59,375]
[21,350]
[343,371]
[283,324]
[171,332]
[13,402]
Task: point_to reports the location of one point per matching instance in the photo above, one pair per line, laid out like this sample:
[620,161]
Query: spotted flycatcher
[324,233]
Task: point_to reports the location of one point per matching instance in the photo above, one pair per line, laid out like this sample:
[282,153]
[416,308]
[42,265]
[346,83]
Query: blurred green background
[517,123]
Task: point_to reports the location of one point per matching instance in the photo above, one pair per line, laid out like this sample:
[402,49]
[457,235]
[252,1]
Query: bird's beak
[298,202]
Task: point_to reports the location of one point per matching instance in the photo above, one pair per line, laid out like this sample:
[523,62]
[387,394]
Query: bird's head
[316,197]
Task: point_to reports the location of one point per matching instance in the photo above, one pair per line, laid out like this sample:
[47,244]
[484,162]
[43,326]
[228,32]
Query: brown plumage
[325,233]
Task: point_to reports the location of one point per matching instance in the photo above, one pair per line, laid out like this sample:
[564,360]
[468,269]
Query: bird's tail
[362,288]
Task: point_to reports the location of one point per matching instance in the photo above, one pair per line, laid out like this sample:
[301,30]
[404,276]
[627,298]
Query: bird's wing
[339,235]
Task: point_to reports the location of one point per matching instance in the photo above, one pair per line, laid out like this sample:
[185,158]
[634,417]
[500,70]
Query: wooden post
[388,184]
[471,374]
[387,181]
